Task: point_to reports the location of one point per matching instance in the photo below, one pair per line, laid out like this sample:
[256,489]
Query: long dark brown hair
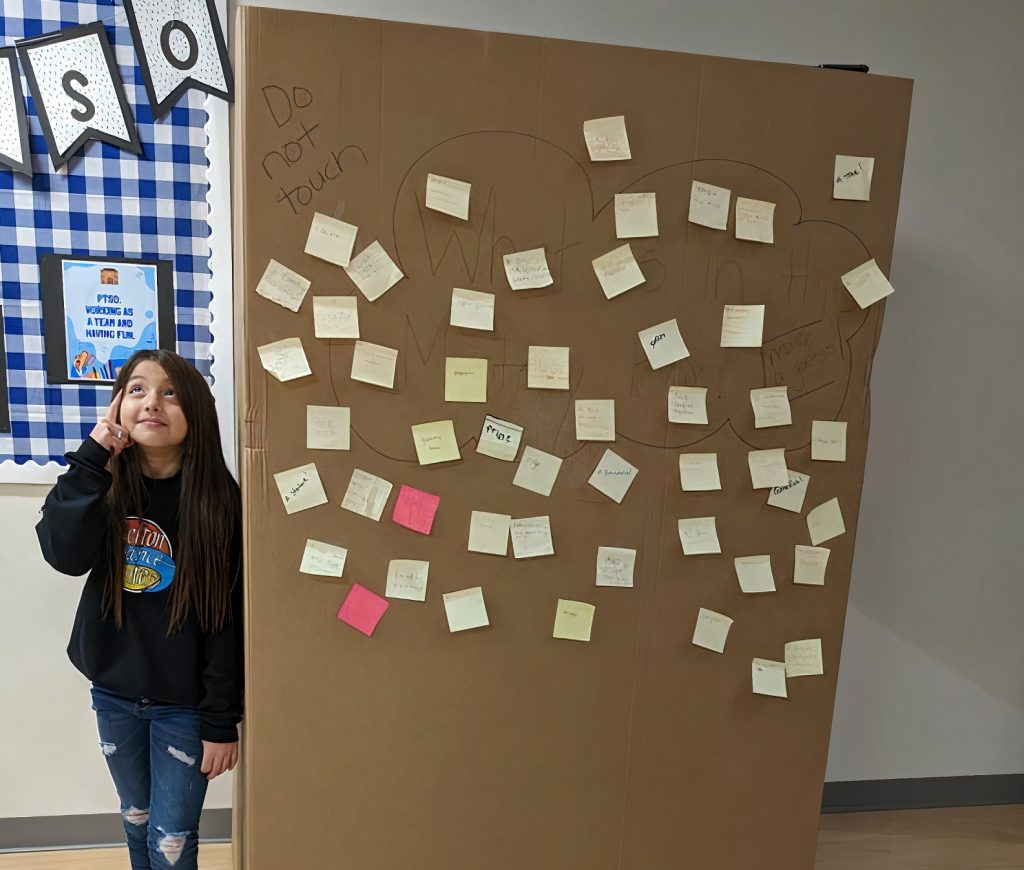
[209,513]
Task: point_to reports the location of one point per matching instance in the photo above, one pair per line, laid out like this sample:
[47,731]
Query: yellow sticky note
[435,442]
[331,239]
[709,205]
[573,620]
[448,195]
[606,138]
[465,379]
[374,364]
[754,220]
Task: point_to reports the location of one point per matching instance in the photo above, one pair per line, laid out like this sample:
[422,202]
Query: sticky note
[771,407]
[615,566]
[828,440]
[698,472]
[366,494]
[374,364]
[323,560]
[472,309]
[699,536]
[407,579]
[618,271]
[768,468]
[465,379]
[791,496]
[613,476]
[636,215]
[803,658]
[742,326]
[754,573]
[281,285]
[415,509]
[285,359]
[362,609]
[300,488]
[825,522]
[809,565]
[328,427]
[448,195]
[537,471]
[852,177]
[769,678]
[488,533]
[709,205]
[755,220]
[688,405]
[499,439]
[373,271]
[527,270]
[435,442]
[531,537]
[335,317]
[574,620]
[465,609]
[331,239]
[867,284]
[663,344]
[547,368]
[606,138]
[595,419]
[711,630]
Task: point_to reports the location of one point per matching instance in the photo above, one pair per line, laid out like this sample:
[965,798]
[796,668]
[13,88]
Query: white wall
[932,679]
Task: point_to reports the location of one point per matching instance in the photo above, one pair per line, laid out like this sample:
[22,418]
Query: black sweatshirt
[189,668]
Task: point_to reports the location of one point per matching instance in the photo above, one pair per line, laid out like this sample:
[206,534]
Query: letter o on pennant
[190,37]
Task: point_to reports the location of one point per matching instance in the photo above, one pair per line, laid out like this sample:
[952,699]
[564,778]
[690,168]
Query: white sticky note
[323,560]
[755,220]
[531,537]
[852,177]
[688,405]
[595,419]
[448,195]
[809,565]
[711,630]
[328,427]
[499,439]
[742,326]
[366,494]
[574,620]
[472,309]
[537,471]
[465,379]
[465,609]
[488,533]
[547,368]
[373,271]
[527,270]
[698,472]
[636,215]
[755,573]
[331,239]
[613,476]
[771,407]
[335,317]
[300,488]
[374,364]
[618,271]
[790,497]
[606,138]
[825,522]
[768,468]
[709,205]
[281,285]
[699,535]
[663,344]
[435,442]
[828,440]
[615,566]
[803,658]
[285,359]
[769,678]
[867,284]
[407,578]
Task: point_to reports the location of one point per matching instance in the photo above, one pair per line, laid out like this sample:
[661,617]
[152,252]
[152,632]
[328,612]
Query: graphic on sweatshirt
[148,560]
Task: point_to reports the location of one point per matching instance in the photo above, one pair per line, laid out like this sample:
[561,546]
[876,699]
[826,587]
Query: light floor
[964,838]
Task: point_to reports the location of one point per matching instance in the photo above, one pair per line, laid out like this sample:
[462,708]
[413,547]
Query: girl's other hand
[218,758]
[110,434]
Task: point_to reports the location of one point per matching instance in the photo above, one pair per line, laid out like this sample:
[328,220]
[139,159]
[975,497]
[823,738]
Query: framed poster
[98,311]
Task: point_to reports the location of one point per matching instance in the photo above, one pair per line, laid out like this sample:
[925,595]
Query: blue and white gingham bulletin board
[109,203]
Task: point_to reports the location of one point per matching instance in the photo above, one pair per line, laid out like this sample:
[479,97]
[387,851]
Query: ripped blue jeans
[154,754]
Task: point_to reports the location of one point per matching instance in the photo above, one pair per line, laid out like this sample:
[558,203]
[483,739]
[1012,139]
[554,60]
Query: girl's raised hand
[112,435]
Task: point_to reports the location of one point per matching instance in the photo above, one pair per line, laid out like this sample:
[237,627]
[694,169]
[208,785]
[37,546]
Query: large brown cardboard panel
[504,748]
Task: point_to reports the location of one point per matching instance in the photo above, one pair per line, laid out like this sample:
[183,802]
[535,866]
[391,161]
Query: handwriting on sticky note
[615,566]
[709,205]
[663,344]
[300,488]
[698,472]
[499,439]
[754,220]
[790,496]
[636,215]
[366,494]
[769,678]
[688,405]
[331,239]
[852,177]
[373,271]
[828,440]
[465,379]
[285,359]
[465,609]
[537,471]
[574,620]
[547,368]
[595,419]
[472,309]
[374,364]
[803,658]
[435,442]
[867,284]
[771,407]
[407,579]
[488,533]
[699,535]
[531,537]
[742,326]
[613,476]
[327,427]
[618,271]
[448,195]
[324,560]
[711,630]
[335,317]
[606,138]
[281,285]
[527,270]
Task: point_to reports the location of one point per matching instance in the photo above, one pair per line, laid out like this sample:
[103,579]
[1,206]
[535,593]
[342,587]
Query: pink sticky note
[415,509]
[362,609]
